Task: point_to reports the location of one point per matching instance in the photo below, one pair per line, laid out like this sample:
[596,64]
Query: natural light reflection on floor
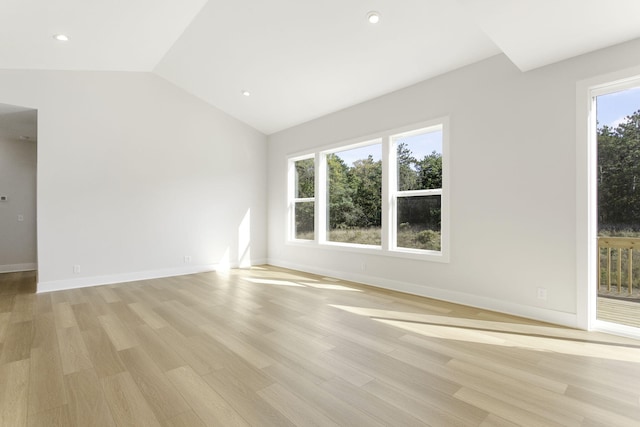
[331,287]
[530,337]
[302,284]
[274,282]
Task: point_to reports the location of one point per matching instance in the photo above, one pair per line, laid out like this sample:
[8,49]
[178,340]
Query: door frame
[586,196]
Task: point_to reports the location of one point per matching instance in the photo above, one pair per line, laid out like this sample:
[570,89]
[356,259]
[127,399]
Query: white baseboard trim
[535,313]
[84,282]
[616,329]
[14,268]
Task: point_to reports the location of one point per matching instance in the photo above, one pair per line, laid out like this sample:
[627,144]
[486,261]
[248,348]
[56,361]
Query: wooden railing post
[619,270]
[619,243]
[630,262]
[609,269]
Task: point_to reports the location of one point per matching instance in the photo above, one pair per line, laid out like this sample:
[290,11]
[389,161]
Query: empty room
[336,213]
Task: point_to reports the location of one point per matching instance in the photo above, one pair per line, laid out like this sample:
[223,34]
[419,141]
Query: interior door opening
[18,187]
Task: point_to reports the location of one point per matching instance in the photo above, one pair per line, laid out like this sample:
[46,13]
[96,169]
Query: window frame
[395,194]
[323,187]
[292,200]
[390,194]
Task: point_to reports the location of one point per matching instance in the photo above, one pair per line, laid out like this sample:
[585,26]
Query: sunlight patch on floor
[530,337]
[331,287]
[274,282]
[529,342]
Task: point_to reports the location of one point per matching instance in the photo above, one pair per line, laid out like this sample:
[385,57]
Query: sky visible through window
[613,108]
[421,145]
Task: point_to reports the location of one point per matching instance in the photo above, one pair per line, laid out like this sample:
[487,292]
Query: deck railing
[614,253]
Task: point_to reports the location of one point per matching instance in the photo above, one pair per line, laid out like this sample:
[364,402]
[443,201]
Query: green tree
[429,171]
[407,174]
[365,180]
[341,208]
[305,178]
[619,175]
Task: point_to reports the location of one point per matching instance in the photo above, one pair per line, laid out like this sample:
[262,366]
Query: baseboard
[535,313]
[616,329]
[84,282]
[14,268]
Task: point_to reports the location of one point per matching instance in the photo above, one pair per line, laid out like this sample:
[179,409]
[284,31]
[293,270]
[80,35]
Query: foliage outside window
[354,195]
[387,194]
[619,177]
[304,199]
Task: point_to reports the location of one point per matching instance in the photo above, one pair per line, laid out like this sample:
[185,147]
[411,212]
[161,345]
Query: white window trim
[389,195]
[321,206]
[395,194]
[292,200]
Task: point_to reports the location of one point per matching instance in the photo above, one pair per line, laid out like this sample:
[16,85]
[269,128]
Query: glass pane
[304,220]
[420,161]
[618,130]
[305,179]
[354,186]
[419,222]
[618,175]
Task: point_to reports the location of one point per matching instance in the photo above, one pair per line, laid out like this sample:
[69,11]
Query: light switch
[20,218]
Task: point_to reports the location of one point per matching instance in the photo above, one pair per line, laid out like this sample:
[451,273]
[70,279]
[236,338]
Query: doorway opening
[18,178]
[616,181]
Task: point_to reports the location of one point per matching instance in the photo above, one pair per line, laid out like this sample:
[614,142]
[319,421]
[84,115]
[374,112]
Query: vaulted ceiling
[301,59]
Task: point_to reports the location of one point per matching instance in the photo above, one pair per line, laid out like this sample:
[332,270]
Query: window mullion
[389,187]
[321,198]
[291,233]
[412,193]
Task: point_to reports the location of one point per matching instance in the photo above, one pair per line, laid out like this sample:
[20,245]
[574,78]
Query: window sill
[430,256]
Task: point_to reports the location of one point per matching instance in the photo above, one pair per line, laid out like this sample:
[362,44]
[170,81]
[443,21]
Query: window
[417,199]
[354,195]
[387,193]
[303,199]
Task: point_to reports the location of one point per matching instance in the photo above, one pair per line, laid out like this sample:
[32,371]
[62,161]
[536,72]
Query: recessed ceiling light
[246,93]
[373,17]
[61,37]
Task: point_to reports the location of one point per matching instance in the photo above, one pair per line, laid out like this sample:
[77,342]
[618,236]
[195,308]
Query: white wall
[134,174]
[18,183]
[513,184]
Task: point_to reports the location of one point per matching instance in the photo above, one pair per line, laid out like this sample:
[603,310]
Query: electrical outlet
[363,266]
[76,269]
[187,259]
[20,218]
[542,293]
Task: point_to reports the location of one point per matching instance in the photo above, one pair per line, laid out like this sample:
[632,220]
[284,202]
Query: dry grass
[413,237]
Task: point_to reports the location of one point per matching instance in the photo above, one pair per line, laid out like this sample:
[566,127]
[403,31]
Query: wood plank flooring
[621,311]
[275,347]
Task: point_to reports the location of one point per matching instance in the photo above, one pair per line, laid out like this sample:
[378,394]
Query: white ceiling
[534,33]
[302,59]
[122,35]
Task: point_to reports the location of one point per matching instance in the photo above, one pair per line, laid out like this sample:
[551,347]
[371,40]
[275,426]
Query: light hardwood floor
[274,347]
[624,312]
